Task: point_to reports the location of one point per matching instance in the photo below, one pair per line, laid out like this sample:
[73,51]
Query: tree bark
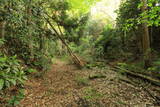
[29,13]
[2,29]
[146,39]
[75,58]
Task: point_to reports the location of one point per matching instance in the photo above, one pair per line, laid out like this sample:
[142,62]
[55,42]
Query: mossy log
[137,75]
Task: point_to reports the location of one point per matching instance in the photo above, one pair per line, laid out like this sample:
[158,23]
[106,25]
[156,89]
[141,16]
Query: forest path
[67,86]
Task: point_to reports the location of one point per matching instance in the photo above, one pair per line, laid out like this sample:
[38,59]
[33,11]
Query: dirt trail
[61,87]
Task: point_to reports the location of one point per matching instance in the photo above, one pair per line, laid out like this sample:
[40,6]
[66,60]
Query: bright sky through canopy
[105,8]
[81,6]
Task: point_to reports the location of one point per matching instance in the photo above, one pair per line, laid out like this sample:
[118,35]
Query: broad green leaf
[1,84]
[3,59]
[31,70]
[7,84]
[13,81]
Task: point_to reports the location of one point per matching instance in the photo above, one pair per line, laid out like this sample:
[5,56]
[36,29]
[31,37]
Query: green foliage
[81,6]
[27,34]
[1,84]
[82,81]
[91,94]
[151,15]
[155,68]
[30,70]
[84,48]
[129,26]
[130,16]
[157,62]
[2,41]
[132,67]
[11,72]
[15,100]
[127,15]
[42,62]
[108,44]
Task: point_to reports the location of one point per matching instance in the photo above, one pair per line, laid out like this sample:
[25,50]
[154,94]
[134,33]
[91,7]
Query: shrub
[11,72]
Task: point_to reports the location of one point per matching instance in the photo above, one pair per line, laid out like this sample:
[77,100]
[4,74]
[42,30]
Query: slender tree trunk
[59,34]
[2,29]
[151,36]
[146,39]
[2,32]
[29,13]
[41,43]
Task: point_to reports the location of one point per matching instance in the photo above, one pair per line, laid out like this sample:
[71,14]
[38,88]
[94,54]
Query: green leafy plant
[11,72]
[42,62]
[2,42]
[155,68]
[1,83]
[82,81]
[91,94]
[132,67]
[15,100]
[30,70]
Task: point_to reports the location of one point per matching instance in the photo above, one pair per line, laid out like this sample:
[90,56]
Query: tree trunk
[75,58]
[146,39]
[29,13]
[2,32]
[2,29]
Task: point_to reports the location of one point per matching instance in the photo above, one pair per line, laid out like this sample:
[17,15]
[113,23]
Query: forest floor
[67,86]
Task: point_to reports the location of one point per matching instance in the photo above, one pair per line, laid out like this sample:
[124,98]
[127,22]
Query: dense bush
[109,45]
[11,72]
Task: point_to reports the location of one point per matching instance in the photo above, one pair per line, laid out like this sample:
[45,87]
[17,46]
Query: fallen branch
[75,58]
[144,77]
[138,84]
[96,76]
[141,76]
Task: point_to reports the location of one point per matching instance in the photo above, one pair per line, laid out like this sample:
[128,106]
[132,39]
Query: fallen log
[127,81]
[75,58]
[141,76]
[96,76]
[138,84]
